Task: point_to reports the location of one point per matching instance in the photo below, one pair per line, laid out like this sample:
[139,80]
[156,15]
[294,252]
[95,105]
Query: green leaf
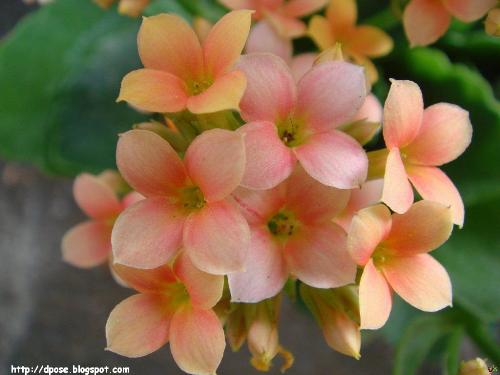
[167,6]
[60,71]
[452,351]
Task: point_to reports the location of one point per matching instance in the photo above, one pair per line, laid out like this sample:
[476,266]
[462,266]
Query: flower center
[283,224]
[192,198]
[177,293]
[196,87]
[291,131]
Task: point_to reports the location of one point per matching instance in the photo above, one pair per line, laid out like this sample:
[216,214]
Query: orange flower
[181,73]
[359,43]
[131,8]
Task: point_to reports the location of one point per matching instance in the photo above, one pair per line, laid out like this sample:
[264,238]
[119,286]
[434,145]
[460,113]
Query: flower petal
[330,94]
[154,280]
[420,280]
[320,31]
[286,26]
[95,197]
[434,185]
[467,10]
[238,4]
[371,110]
[226,40]
[149,164]
[87,245]
[375,301]
[259,205]
[403,113]
[215,161]
[423,228]
[264,38]
[342,14]
[334,159]
[216,238]
[369,227]
[301,8]
[445,134]
[197,340]
[301,64]
[225,93]
[167,42]
[312,201]
[265,270]
[271,91]
[204,290]
[268,160]
[425,21]
[318,256]
[397,192]
[370,41]
[148,233]
[153,91]
[138,325]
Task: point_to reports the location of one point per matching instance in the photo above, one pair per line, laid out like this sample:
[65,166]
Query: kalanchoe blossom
[393,250]
[359,43]
[292,233]
[337,313]
[289,122]
[425,21]
[187,202]
[89,244]
[174,305]
[131,8]
[181,73]
[417,142]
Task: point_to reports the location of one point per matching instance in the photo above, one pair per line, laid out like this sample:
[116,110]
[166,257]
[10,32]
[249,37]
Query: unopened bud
[492,23]
[474,367]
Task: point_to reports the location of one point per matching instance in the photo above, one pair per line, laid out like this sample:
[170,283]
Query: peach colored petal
[95,197]
[205,290]
[403,113]
[167,42]
[155,280]
[226,40]
[202,27]
[375,301]
[87,245]
[138,325]
[131,198]
[264,38]
[197,340]
[320,31]
[425,21]
[271,91]
[342,14]
[397,192]
[259,205]
[311,201]
[370,41]
[420,280]
[148,233]
[433,184]
[370,70]
[469,10]
[225,93]
[369,227]
[149,164]
[265,270]
[153,91]
[342,333]
[334,159]
[330,94]
[445,134]
[318,256]
[301,8]
[215,161]
[216,238]
[301,64]
[268,160]
[286,26]
[369,193]
[423,228]
[238,4]
[371,110]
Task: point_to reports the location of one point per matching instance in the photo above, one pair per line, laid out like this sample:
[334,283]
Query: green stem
[483,339]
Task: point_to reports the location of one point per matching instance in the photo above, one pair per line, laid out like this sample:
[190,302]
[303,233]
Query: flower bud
[474,367]
[492,23]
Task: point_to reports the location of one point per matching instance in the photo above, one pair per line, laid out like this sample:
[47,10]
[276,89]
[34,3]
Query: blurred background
[54,314]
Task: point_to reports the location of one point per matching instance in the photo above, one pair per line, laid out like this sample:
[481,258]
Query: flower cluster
[254,173]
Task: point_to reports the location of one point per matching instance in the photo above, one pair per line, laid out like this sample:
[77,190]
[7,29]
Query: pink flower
[89,244]
[292,233]
[289,122]
[187,202]
[418,141]
[393,250]
[173,305]
[425,21]
[179,73]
